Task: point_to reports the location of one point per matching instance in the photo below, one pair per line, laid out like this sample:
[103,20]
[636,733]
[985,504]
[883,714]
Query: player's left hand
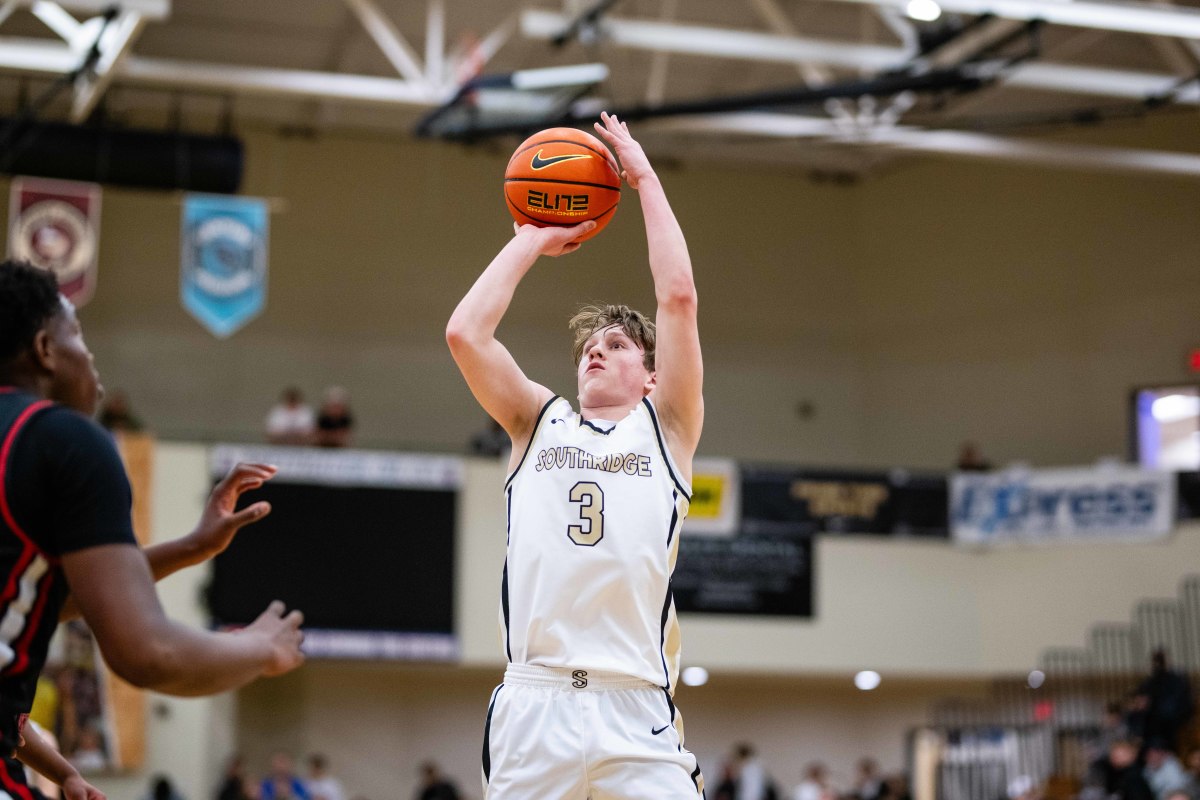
[220,522]
[76,788]
[634,164]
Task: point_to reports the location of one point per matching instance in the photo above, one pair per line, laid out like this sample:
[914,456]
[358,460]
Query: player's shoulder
[64,428]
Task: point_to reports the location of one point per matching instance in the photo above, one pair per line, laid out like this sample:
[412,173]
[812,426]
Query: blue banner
[223,274]
[1062,505]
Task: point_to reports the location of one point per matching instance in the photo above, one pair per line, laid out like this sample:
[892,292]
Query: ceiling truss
[95,46]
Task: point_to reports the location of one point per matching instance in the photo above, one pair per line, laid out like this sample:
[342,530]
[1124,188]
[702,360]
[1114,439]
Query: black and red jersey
[63,488]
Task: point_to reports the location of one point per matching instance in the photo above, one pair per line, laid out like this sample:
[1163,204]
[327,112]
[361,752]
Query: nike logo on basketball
[654,732]
[541,163]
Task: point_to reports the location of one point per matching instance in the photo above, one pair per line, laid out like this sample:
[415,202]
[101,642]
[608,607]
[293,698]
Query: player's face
[612,371]
[75,382]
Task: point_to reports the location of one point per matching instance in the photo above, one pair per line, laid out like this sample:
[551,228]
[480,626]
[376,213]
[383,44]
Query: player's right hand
[284,636]
[76,788]
[551,241]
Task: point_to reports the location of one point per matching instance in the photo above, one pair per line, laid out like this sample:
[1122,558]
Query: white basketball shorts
[562,734]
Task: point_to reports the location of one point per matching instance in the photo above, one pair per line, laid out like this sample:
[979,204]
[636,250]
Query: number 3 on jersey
[591,511]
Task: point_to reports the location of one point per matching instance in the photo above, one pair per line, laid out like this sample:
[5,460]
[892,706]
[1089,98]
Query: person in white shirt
[320,783]
[291,420]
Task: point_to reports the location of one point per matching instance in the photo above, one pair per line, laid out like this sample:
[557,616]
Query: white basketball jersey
[594,513]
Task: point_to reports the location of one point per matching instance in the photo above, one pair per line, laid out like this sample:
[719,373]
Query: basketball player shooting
[595,501]
[67,545]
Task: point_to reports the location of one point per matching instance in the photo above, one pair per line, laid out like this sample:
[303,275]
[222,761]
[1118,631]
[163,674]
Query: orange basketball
[561,177]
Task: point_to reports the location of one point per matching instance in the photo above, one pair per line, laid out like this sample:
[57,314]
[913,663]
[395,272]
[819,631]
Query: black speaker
[122,157]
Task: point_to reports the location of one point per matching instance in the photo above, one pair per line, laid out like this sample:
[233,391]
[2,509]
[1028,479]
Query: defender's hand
[553,241]
[219,522]
[634,164]
[76,788]
[283,634]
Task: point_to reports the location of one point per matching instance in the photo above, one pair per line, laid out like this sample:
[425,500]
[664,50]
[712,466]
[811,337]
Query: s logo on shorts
[580,677]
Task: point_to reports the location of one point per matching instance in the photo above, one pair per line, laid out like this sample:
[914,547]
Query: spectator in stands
[116,414]
[282,783]
[1163,771]
[868,785]
[88,755]
[751,781]
[895,787]
[1112,729]
[291,420]
[1126,781]
[1024,787]
[235,785]
[161,788]
[335,423]
[1192,765]
[492,441]
[320,783]
[815,785]
[434,786]
[1165,697]
[970,459]
[726,785]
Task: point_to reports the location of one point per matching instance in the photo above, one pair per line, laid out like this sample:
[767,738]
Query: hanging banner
[223,274]
[55,225]
[1062,505]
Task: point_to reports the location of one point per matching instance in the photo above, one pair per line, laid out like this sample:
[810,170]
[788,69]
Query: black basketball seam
[557,180]
[596,218]
[602,153]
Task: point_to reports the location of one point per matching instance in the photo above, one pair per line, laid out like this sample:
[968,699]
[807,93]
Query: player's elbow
[679,297]
[146,665]
[461,335]
[455,337]
[458,333]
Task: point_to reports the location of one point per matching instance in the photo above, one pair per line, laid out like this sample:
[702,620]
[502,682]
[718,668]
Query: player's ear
[648,387]
[43,349]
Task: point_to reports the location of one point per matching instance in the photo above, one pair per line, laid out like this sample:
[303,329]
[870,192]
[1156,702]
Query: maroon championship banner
[55,225]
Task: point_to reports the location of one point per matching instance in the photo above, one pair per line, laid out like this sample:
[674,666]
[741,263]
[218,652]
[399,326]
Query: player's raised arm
[679,368]
[490,370]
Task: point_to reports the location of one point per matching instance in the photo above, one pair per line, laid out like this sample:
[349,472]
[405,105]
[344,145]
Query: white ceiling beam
[955,143]
[1099,82]
[150,9]
[57,19]
[6,9]
[719,42]
[116,43]
[387,36]
[770,13]
[435,42]
[39,56]
[278,82]
[658,36]
[656,80]
[1129,17]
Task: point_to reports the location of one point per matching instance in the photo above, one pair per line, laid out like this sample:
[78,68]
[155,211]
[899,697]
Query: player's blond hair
[635,324]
